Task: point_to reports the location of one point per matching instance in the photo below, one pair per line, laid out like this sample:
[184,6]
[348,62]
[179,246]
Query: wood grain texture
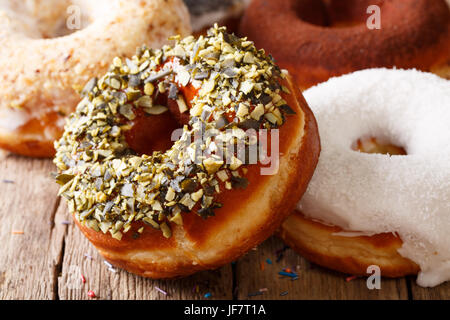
[43,256]
[119,284]
[31,242]
[313,281]
[441,292]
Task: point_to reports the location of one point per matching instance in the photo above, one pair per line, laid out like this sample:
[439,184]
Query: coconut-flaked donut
[202,202]
[365,209]
[44,61]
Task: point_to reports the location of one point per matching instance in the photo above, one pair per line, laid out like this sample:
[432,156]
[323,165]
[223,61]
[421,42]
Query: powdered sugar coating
[375,193]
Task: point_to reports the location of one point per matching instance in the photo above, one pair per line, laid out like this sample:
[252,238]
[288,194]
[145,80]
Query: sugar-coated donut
[365,209]
[202,203]
[43,64]
[318,39]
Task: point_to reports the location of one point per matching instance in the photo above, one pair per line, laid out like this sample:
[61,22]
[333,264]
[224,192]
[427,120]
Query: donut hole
[335,13]
[47,19]
[377,145]
[141,136]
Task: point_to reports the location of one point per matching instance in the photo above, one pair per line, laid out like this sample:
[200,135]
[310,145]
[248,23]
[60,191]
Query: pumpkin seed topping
[108,186]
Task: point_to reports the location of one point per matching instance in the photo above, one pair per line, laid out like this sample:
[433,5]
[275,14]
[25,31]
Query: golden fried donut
[348,252]
[173,212]
[388,205]
[43,64]
[319,39]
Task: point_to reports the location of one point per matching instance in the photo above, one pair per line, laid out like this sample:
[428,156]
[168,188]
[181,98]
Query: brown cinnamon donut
[51,48]
[171,213]
[318,39]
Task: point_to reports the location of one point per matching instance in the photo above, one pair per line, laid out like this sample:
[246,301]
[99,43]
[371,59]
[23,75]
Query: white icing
[374,193]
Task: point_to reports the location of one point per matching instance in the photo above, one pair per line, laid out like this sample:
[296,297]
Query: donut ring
[49,65]
[166,214]
[316,40]
[370,209]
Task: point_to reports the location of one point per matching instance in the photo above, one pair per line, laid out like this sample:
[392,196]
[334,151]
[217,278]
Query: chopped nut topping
[108,187]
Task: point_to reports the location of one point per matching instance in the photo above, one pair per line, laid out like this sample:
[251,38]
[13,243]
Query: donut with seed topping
[244,151]
[51,48]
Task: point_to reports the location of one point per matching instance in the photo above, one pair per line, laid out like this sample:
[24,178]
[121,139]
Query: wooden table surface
[44,256]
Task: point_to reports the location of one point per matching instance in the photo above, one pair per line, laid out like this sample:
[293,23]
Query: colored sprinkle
[287,270]
[284,293]
[348,279]
[112,270]
[208,295]
[269,261]
[263,289]
[7,181]
[262,266]
[17,232]
[108,264]
[162,291]
[83,279]
[253,294]
[91,294]
[65,222]
[288,274]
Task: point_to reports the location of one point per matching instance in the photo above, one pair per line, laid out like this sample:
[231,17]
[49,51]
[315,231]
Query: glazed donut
[165,214]
[43,65]
[316,40]
[365,209]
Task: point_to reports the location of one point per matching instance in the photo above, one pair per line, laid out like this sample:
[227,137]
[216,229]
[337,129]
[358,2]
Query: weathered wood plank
[43,258]
[123,285]
[31,240]
[441,292]
[313,281]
